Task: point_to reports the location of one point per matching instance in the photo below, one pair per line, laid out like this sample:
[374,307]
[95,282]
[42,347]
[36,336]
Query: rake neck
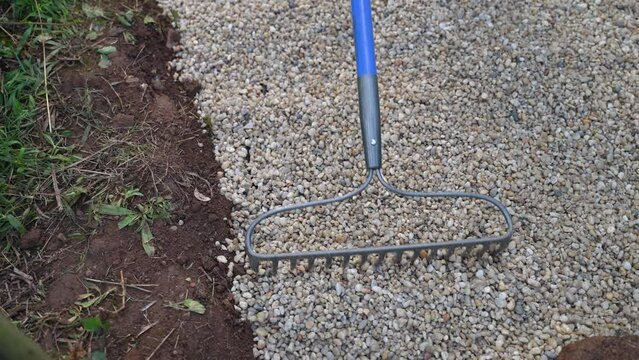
[367,82]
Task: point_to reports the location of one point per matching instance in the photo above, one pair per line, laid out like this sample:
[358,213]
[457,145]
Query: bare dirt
[602,348]
[137,97]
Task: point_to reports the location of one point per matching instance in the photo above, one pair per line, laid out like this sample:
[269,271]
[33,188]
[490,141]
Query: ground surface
[602,348]
[534,103]
[137,101]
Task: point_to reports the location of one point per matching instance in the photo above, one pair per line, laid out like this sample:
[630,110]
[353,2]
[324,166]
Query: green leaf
[148,20]
[104,62]
[16,224]
[106,209]
[188,305]
[146,232]
[91,35]
[107,50]
[129,15]
[92,324]
[76,236]
[194,306]
[147,236]
[92,11]
[126,19]
[129,38]
[128,220]
[23,40]
[149,249]
[129,193]
[94,301]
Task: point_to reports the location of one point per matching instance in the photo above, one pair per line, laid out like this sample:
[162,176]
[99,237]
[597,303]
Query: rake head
[466,247]
[369,113]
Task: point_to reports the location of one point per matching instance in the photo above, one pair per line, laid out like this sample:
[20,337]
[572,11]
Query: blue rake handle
[367,83]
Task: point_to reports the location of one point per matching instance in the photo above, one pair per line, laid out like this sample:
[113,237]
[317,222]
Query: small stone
[310,324]
[262,316]
[261,332]
[221,259]
[501,300]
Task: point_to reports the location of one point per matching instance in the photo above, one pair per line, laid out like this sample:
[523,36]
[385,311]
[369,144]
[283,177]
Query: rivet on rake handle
[371,135]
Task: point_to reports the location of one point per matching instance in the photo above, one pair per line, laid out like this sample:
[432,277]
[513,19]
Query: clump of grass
[31,147]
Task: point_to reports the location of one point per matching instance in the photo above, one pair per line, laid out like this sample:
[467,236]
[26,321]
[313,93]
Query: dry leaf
[200,196]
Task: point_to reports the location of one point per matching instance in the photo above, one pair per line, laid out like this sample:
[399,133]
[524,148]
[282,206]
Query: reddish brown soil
[138,91]
[602,348]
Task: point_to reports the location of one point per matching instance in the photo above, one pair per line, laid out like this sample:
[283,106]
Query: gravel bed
[535,104]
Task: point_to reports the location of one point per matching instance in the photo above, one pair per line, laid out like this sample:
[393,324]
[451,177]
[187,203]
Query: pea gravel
[532,102]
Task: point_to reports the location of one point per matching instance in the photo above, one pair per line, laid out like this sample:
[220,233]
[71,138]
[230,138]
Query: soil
[602,348]
[137,97]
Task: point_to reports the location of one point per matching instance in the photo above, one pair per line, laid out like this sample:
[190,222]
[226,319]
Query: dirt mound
[602,348]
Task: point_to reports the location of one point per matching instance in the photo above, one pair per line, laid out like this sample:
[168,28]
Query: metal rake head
[472,247]
[371,135]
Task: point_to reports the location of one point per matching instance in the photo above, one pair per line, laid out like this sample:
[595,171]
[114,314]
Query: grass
[47,171]
[31,146]
[43,173]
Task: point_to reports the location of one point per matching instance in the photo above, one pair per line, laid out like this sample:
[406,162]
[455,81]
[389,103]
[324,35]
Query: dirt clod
[31,239]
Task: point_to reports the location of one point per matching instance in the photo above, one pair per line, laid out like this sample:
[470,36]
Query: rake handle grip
[367,82]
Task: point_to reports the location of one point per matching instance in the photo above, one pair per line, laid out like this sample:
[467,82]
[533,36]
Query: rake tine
[449,253]
[380,259]
[482,250]
[311,264]
[414,256]
[494,249]
[293,263]
[468,251]
[431,254]
[364,259]
[254,263]
[398,257]
[329,262]
[346,261]
[275,265]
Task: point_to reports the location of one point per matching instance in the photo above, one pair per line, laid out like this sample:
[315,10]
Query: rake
[371,134]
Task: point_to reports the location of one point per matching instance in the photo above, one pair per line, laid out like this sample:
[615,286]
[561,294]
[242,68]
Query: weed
[188,305]
[139,216]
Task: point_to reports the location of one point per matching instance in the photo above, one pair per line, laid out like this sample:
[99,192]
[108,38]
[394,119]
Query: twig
[46,80]
[146,328]
[160,344]
[123,290]
[115,92]
[136,58]
[148,306]
[91,156]
[133,286]
[205,274]
[56,189]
